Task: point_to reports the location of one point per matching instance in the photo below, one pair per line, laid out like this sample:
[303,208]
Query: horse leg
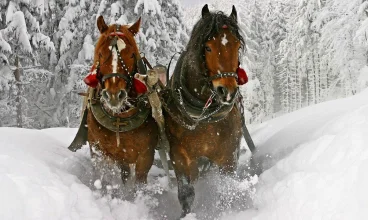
[100,168]
[143,165]
[227,169]
[186,172]
[125,172]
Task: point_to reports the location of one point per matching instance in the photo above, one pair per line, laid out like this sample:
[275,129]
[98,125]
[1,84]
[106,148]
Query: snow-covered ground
[314,163]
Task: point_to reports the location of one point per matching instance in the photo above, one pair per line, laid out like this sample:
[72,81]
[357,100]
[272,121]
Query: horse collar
[118,124]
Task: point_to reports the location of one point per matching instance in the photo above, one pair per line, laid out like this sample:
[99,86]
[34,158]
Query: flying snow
[224,40]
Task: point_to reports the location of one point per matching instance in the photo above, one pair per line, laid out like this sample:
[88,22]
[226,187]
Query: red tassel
[139,87]
[242,76]
[91,80]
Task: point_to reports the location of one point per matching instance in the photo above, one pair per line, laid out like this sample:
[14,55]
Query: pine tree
[22,33]
[76,34]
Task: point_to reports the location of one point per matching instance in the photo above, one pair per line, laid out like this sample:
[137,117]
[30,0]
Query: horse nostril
[122,94]
[105,95]
[222,91]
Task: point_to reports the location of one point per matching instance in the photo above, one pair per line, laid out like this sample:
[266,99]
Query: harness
[193,109]
[115,123]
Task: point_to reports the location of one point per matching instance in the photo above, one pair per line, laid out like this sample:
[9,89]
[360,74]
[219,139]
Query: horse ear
[101,24]
[205,11]
[134,29]
[234,14]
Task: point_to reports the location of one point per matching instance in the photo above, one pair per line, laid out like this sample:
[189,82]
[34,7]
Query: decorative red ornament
[242,76]
[91,79]
[139,86]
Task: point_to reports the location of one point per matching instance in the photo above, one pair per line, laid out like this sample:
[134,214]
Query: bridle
[208,79]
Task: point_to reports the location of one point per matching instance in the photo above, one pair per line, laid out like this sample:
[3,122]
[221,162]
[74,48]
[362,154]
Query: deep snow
[315,162]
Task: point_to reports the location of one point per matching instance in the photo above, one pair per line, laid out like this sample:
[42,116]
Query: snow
[314,160]
[18,29]
[363,78]
[12,8]
[224,40]
[4,46]
[41,179]
[149,6]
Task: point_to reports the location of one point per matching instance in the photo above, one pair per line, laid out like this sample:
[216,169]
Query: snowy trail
[315,162]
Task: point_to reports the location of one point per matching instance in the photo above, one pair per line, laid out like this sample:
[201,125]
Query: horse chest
[212,140]
[132,143]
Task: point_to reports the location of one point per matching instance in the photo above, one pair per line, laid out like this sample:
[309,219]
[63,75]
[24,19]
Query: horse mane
[206,28]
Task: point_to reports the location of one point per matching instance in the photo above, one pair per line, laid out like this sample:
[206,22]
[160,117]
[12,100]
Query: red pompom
[91,80]
[139,87]
[242,76]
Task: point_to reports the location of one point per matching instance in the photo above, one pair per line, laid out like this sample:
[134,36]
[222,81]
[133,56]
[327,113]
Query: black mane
[207,27]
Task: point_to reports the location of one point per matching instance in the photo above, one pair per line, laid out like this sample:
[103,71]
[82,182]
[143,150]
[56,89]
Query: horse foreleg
[142,167]
[186,172]
[125,172]
[228,168]
[100,165]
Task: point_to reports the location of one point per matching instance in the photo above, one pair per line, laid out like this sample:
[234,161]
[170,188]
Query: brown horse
[201,115]
[119,121]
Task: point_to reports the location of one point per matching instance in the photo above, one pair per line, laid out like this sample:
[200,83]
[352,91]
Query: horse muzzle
[226,96]
[114,100]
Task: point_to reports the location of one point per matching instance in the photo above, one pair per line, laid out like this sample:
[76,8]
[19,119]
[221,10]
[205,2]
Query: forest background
[297,53]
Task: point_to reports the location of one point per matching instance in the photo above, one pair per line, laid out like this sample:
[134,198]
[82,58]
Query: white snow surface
[314,162]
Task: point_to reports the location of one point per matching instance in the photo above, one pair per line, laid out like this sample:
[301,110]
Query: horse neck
[192,72]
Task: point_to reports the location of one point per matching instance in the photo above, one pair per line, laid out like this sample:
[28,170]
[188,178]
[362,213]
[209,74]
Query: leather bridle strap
[119,75]
[223,75]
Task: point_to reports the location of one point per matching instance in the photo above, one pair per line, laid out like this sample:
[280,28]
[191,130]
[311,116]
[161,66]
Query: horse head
[116,55]
[220,46]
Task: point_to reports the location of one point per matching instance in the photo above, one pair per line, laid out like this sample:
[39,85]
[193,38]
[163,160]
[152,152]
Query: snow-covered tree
[297,53]
[23,38]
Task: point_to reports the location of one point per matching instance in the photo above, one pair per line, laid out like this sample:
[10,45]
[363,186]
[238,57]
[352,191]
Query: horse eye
[207,48]
[132,56]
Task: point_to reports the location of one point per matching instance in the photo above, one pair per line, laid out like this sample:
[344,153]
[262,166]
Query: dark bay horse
[200,111]
[119,121]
